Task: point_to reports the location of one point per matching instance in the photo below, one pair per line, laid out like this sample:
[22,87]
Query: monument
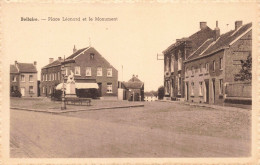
[70,86]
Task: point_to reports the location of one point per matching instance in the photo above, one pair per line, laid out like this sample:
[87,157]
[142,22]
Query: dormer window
[92,55]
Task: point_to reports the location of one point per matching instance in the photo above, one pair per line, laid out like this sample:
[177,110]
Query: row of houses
[202,67]
[90,70]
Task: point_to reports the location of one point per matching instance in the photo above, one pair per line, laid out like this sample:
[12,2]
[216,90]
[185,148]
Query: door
[213,91]
[99,89]
[187,91]
[206,91]
[23,91]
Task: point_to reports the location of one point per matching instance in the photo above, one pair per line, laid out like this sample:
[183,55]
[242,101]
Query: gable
[84,59]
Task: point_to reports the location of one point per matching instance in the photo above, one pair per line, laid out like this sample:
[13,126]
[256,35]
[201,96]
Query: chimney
[15,63]
[136,76]
[203,25]
[59,58]
[74,49]
[34,63]
[238,24]
[50,60]
[216,32]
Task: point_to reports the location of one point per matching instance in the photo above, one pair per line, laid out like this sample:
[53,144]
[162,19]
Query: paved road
[39,135]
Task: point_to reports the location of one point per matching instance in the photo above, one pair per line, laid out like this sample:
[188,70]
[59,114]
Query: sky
[142,31]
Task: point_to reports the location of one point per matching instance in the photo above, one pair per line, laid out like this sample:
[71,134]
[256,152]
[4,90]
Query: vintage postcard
[129,82]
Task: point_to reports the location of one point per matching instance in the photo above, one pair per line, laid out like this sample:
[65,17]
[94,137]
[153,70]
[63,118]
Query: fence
[239,90]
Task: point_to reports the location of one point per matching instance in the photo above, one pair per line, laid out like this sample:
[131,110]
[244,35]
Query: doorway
[213,90]
[187,91]
[206,92]
[99,89]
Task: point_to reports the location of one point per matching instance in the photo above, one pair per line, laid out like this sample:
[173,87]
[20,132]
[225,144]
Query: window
[66,71]
[214,65]
[179,63]
[192,70]
[221,63]
[88,71]
[109,87]
[31,78]
[187,69]
[77,70]
[50,91]
[207,67]
[14,79]
[43,77]
[192,89]
[179,85]
[53,76]
[109,72]
[92,55]
[221,86]
[46,77]
[200,68]
[200,89]
[167,64]
[43,89]
[58,75]
[172,63]
[22,78]
[99,71]
[50,77]
[31,89]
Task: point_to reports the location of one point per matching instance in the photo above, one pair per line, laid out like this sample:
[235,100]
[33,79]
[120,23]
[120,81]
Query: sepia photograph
[130,79]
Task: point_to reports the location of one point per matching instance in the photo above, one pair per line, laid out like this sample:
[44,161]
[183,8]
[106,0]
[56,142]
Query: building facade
[210,70]
[88,66]
[23,77]
[174,55]
[134,89]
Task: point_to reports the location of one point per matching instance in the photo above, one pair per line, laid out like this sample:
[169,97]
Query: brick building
[211,67]
[174,56]
[88,66]
[134,89]
[23,77]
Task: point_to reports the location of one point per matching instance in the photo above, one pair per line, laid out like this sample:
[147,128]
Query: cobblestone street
[159,129]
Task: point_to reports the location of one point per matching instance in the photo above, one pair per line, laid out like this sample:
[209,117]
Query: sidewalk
[48,106]
[226,106]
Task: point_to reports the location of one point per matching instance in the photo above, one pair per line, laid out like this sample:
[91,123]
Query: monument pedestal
[70,90]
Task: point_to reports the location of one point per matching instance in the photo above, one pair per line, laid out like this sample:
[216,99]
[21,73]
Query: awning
[79,86]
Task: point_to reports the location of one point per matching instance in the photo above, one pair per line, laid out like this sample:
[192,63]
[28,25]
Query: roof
[195,39]
[26,68]
[133,85]
[210,46]
[54,63]
[134,79]
[77,53]
[13,69]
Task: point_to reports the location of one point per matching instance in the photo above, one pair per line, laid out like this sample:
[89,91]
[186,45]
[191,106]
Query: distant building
[89,68]
[134,89]
[148,96]
[174,56]
[210,70]
[23,77]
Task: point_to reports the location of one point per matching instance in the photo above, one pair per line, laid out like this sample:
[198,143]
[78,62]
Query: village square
[79,107]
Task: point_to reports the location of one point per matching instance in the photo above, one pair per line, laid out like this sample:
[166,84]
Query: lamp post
[63,104]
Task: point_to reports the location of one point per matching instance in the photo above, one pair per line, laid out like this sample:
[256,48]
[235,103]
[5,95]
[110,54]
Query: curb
[78,110]
[218,107]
